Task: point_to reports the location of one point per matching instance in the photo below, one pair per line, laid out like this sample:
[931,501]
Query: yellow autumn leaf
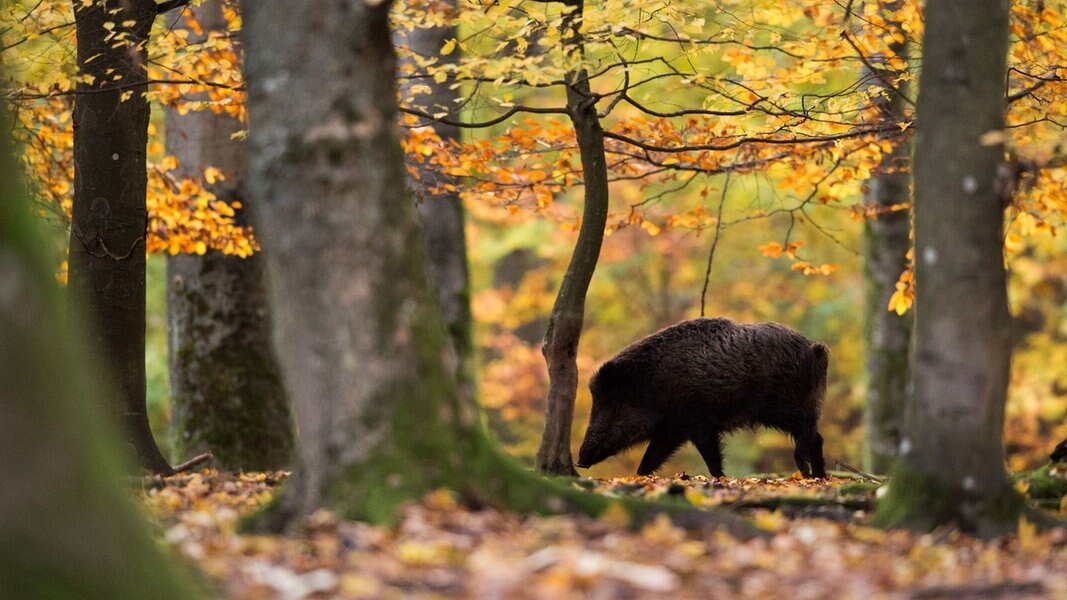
[212,175]
[899,302]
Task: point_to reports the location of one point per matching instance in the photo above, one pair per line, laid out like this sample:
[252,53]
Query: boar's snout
[587,454]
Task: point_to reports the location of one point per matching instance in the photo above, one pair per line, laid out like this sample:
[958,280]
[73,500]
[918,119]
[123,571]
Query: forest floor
[817,545]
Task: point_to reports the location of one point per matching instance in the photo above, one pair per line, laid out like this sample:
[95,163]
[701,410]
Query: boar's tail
[818,363]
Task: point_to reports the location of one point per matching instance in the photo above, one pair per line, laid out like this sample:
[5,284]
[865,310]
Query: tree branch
[479,124]
[748,140]
[169,5]
[123,87]
[714,242]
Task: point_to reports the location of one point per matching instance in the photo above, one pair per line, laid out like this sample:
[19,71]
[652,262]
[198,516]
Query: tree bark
[887,334]
[362,351]
[107,250]
[442,216]
[560,345]
[66,529]
[361,342]
[226,391]
[951,467]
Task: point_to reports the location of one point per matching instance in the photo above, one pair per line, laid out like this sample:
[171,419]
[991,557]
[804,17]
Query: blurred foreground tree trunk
[107,234]
[951,465]
[226,391]
[67,530]
[565,323]
[361,342]
[441,212]
[886,244]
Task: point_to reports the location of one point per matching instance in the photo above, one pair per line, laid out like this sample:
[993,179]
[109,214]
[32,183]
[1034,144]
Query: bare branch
[169,5]
[122,87]
[479,124]
[744,141]
[714,242]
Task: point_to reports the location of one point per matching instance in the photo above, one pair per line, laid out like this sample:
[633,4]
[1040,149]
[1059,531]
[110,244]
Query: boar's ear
[610,376]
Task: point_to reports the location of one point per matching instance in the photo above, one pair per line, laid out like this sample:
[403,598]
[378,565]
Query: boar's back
[736,367]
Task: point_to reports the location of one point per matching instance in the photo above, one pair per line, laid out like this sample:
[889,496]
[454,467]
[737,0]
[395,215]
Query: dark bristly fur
[703,378]
[1059,453]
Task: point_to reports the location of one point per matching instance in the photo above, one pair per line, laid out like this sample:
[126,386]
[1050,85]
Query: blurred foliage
[156,369]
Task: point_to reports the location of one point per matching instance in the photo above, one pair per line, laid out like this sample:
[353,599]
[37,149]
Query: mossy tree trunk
[441,212]
[362,346]
[361,341]
[951,466]
[886,244]
[66,528]
[226,391]
[107,250]
[560,345]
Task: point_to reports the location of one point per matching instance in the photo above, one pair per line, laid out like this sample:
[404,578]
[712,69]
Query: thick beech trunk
[951,466]
[361,342]
[442,216]
[362,348]
[560,345]
[226,391]
[66,528]
[888,334]
[107,250]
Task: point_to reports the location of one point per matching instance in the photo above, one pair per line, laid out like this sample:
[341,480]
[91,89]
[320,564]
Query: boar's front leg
[662,445]
[710,447]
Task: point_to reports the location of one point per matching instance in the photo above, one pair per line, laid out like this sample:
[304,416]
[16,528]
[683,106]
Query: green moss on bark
[239,411]
[920,502]
[226,390]
[66,528]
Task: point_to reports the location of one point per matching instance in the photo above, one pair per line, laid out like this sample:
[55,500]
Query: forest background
[786,219]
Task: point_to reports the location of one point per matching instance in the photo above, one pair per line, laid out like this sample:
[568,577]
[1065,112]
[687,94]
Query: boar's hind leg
[710,447]
[660,448]
[808,453]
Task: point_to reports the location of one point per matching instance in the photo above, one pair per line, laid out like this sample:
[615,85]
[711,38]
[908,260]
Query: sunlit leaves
[904,290]
[184,215]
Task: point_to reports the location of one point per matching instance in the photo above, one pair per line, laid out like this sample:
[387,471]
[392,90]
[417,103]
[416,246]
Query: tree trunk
[560,345]
[107,250]
[887,333]
[66,529]
[441,214]
[361,342]
[226,391]
[951,468]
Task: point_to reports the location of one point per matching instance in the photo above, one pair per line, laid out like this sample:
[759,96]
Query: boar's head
[613,427]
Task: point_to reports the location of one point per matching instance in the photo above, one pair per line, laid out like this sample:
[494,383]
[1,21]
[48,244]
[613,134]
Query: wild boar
[1059,453]
[703,378]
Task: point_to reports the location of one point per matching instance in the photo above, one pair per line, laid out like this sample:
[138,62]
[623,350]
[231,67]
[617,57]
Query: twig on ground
[852,469]
[192,463]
